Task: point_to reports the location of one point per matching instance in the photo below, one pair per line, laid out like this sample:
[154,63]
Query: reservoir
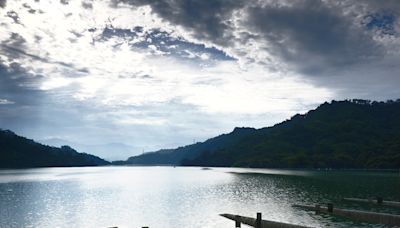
[184,196]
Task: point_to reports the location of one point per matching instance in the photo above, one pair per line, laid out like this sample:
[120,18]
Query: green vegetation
[340,134]
[20,152]
[175,156]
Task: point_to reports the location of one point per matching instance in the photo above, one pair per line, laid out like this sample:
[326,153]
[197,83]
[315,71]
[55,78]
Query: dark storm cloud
[377,5]
[31,109]
[16,53]
[312,36]
[177,47]
[19,86]
[207,20]
[3,3]
[14,41]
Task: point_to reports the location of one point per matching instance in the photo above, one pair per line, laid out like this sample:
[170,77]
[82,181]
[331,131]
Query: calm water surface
[181,197]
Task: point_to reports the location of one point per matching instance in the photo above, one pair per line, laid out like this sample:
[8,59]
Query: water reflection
[179,197]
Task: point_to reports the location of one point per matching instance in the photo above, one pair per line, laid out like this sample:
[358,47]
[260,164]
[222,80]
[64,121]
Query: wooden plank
[375,201]
[264,223]
[362,216]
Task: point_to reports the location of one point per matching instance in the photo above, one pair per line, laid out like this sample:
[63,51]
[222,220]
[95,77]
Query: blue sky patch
[384,22]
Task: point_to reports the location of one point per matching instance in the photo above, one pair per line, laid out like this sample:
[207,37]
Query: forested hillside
[20,152]
[340,134]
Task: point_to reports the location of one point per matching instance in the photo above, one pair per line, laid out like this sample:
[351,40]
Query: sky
[116,78]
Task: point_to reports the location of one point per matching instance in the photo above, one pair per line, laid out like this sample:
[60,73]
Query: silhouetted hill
[175,156]
[340,134]
[19,152]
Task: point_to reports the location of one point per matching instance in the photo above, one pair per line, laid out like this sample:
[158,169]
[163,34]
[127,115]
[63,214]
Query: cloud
[10,44]
[14,16]
[381,22]
[162,43]
[205,20]
[20,99]
[323,41]
[6,102]
[3,3]
[87,4]
[312,36]
[18,85]
[18,53]
[159,73]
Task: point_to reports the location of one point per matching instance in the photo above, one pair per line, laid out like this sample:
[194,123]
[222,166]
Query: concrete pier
[378,201]
[259,223]
[362,216]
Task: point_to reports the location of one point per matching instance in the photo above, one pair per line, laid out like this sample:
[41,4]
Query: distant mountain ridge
[109,151]
[175,156]
[20,152]
[341,134]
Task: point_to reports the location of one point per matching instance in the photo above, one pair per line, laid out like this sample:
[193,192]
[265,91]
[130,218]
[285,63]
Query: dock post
[252,222]
[237,222]
[258,220]
[317,209]
[330,207]
[379,200]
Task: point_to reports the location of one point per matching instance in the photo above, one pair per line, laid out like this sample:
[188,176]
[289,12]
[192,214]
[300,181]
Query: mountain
[340,134]
[175,156]
[109,151]
[20,152]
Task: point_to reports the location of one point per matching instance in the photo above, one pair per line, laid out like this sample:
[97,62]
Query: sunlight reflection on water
[177,197]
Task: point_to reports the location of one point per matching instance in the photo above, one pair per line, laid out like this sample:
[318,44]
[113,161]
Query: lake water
[182,196]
